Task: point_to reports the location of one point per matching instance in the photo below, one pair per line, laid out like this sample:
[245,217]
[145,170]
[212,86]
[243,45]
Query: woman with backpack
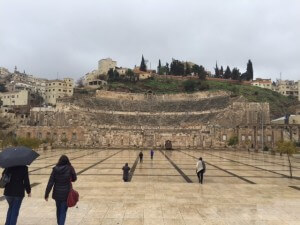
[14,191]
[61,177]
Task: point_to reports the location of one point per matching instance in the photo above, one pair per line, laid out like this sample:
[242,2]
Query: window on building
[249,137]
[258,138]
[59,89]
[243,137]
[28,134]
[224,137]
[39,136]
[53,89]
[59,83]
[70,91]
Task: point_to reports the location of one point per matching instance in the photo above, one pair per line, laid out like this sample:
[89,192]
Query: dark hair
[200,158]
[126,164]
[63,160]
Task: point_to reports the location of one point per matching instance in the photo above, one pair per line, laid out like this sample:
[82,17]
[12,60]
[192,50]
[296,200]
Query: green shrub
[189,85]
[233,141]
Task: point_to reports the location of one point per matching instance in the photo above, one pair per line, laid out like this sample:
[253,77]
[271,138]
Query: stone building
[4,71]
[104,65]
[17,98]
[58,89]
[262,83]
[288,88]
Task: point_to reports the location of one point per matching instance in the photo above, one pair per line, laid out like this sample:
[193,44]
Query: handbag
[73,196]
[5,179]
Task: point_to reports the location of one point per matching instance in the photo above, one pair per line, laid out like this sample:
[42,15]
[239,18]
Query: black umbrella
[17,156]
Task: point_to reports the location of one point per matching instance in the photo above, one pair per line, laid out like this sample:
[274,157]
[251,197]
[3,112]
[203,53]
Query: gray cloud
[68,37]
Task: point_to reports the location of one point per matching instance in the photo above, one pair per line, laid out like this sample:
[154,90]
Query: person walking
[126,170]
[152,153]
[61,177]
[141,155]
[14,191]
[200,169]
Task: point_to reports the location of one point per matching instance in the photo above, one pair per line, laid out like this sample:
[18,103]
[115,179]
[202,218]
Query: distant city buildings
[288,88]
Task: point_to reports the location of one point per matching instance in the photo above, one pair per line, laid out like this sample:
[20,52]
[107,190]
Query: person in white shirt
[200,169]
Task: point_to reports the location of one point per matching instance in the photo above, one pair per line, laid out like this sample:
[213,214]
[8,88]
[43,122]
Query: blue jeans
[14,205]
[61,212]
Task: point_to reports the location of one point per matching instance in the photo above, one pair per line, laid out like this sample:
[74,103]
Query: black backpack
[5,179]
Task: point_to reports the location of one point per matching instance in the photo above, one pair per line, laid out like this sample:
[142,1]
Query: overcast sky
[68,37]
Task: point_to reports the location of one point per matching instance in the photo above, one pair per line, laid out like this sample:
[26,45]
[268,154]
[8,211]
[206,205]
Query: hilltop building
[104,65]
[4,71]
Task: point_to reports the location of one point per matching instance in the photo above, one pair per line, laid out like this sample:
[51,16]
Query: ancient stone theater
[125,120]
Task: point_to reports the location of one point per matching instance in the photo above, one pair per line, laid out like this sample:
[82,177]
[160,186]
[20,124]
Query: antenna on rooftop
[57,75]
[280,75]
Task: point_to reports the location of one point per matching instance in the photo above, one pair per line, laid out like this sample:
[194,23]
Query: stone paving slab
[159,193]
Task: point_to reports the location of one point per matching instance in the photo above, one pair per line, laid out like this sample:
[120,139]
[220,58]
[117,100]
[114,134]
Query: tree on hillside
[288,148]
[221,72]
[110,74]
[143,66]
[130,76]
[159,68]
[227,74]
[79,82]
[177,68]
[217,71]
[235,74]
[187,69]
[167,68]
[199,71]
[249,70]
[2,87]
[116,75]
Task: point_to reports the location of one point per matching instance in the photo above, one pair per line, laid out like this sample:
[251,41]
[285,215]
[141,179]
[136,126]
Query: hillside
[279,104]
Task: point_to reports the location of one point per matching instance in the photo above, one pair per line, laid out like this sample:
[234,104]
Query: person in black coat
[14,191]
[141,155]
[62,175]
[126,170]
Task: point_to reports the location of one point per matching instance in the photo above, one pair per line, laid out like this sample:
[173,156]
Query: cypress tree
[217,71]
[143,66]
[227,74]
[249,70]
[159,68]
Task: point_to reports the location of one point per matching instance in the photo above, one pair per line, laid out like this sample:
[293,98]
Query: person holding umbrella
[61,177]
[15,161]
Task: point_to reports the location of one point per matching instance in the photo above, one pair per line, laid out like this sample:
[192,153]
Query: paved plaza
[239,188]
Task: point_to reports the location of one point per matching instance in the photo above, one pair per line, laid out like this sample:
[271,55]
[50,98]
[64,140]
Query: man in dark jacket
[126,170]
[62,175]
[15,191]
[141,155]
